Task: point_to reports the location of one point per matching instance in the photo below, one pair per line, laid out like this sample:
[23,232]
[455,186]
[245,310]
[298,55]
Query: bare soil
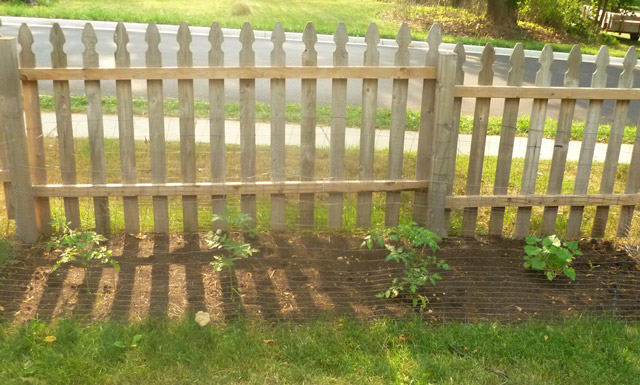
[304,275]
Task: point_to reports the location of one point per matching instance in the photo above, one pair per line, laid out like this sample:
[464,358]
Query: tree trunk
[503,13]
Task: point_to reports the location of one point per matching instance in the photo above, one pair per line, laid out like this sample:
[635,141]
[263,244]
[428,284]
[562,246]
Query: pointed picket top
[543,77]
[153,54]
[25,38]
[572,76]
[309,38]
[629,63]
[371,39]
[185,57]
[488,57]
[278,56]
[434,39]
[403,39]
[90,57]
[461,58]
[216,38]
[341,38]
[121,38]
[58,56]
[514,78]
[247,56]
[599,77]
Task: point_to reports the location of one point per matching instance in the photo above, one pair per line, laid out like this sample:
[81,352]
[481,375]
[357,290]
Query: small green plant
[409,245]
[78,247]
[551,255]
[135,341]
[228,250]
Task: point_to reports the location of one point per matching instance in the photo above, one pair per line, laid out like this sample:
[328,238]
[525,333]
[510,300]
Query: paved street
[294,47]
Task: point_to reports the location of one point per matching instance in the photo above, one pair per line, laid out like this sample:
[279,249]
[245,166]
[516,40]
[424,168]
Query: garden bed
[304,275]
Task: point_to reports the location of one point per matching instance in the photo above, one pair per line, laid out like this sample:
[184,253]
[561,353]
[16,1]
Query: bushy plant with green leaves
[414,247]
[551,255]
[229,250]
[78,246]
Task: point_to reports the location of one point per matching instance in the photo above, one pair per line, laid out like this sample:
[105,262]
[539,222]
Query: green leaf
[532,250]
[136,339]
[119,344]
[569,272]
[531,240]
[537,263]
[550,276]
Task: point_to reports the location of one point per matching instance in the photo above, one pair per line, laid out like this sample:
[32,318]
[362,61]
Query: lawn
[325,14]
[326,351]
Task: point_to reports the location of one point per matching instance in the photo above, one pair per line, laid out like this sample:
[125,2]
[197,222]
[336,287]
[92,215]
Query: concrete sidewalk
[323,134]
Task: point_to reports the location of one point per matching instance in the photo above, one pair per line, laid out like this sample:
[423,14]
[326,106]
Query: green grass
[354,117]
[326,351]
[7,254]
[325,14]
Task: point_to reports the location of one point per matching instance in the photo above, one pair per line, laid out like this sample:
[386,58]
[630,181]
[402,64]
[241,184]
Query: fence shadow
[299,277]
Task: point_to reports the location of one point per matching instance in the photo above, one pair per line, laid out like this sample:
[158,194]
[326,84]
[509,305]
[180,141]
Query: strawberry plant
[414,247]
[551,255]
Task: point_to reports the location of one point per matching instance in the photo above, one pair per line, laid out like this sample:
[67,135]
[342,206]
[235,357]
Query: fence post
[441,175]
[12,123]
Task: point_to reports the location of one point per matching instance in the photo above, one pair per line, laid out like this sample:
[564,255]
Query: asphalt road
[294,47]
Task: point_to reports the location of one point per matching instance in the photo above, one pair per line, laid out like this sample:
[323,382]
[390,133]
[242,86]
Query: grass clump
[240,8]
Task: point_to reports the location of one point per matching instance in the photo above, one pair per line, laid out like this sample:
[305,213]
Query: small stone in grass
[203,318]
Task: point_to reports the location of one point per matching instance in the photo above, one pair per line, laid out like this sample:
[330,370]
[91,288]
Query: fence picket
[478,140]
[338,125]
[217,141]
[368,126]
[507,137]
[155,97]
[426,132]
[278,121]
[397,126]
[633,184]
[534,142]
[247,120]
[63,120]
[615,142]
[12,127]
[96,129]
[461,57]
[443,152]
[35,137]
[563,135]
[125,130]
[308,126]
[187,130]
[589,138]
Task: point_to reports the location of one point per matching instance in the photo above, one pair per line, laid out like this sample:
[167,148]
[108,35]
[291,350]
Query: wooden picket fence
[443,89]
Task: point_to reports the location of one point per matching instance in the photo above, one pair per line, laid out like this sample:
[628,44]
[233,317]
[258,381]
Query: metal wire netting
[302,276]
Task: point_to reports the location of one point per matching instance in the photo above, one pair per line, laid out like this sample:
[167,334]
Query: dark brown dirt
[300,276]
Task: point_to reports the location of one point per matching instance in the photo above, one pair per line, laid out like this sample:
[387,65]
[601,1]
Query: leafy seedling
[409,245]
[551,255]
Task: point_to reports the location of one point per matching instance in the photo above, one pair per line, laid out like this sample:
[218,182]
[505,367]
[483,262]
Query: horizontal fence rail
[452,178]
[249,72]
